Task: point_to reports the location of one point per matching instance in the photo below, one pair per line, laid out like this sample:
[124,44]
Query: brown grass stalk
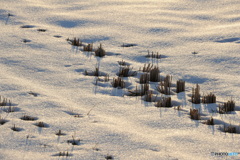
[227,107]
[118,83]
[194,114]
[180,86]
[88,47]
[164,102]
[155,74]
[100,52]
[144,88]
[210,98]
[196,95]
[144,78]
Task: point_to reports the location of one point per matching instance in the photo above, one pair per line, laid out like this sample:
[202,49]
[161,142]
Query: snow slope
[107,121]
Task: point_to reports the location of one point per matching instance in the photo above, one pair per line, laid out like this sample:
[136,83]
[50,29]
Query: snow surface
[109,122]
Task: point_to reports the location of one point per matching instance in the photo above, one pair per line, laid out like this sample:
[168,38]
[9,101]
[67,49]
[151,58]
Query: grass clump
[154,55]
[165,86]
[74,141]
[146,68]
[123,63]
[194,114]
[209,121]
[155,74]
[118,82]
[227,107]
[126,72]
[180,86]
[149,96]
[195,98]
[28,118]
[105,78]
[164,102]
[210,98]
[88,47]
[230,129]
[74,42]
[144,88]
[100,52]
[60,133]
[41,125]
[144,78]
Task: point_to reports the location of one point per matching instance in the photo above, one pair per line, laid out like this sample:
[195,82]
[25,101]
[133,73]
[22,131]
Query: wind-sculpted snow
[58,101]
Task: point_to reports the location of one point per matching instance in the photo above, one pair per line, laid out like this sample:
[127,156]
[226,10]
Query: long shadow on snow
[227,40]
[71,24]
[95,39]
[195,79]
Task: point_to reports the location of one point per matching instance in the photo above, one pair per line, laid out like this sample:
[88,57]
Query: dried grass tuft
[74,141]
[118,83]
[230,129]
[155,74]
[144,78]
[28,118]
[196,95]
[209,122]
[164,102]
[227,107]
[144,88]
[180,86]
[154,55]
[126,72]
[96,72]
[146,68]
[106,78]
[194,114]
[88,47]
[210,98]
[60,133]
[100,52]
[123,63]
[74,42]
[164,87]
[149,96]
[41,125]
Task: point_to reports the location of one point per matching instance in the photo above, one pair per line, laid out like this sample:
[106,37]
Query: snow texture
[45,78]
